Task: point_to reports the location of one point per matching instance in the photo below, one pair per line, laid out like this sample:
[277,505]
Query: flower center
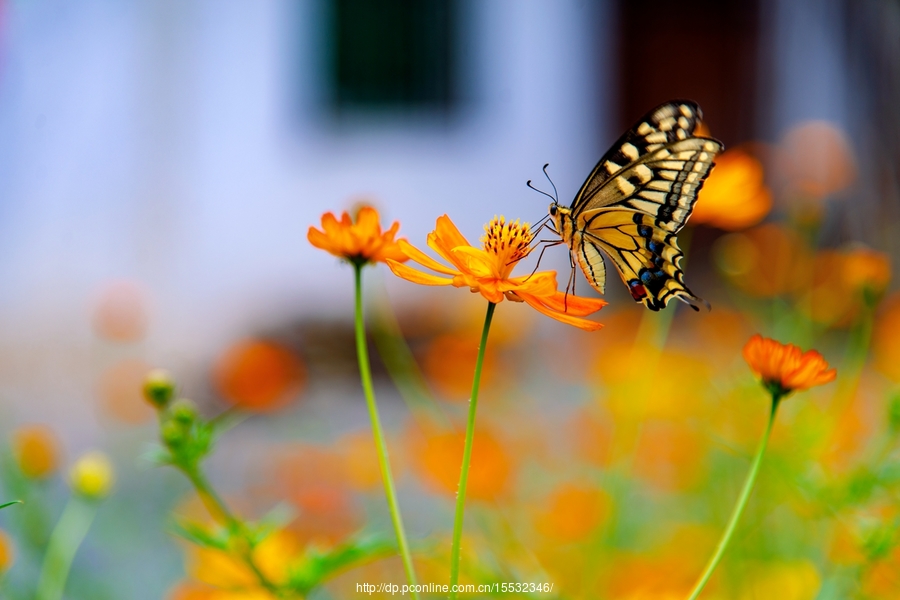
[508,241]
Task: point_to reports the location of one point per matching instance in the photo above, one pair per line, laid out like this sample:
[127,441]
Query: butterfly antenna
[547,175]
[528,183]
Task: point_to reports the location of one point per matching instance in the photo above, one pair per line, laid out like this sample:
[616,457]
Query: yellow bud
[159,388]
[92,476]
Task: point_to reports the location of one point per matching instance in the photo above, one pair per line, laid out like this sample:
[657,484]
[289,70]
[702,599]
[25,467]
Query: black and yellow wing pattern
[636,200]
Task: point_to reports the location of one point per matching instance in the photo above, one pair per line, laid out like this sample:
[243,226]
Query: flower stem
[467,455]
[221,513]
[365,374]
[67,536]
[741,503]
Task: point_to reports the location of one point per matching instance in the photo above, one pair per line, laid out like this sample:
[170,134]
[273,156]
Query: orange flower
[359,242]
[785,368]
[37,451]
[258,375]
[488,271]
[734,196]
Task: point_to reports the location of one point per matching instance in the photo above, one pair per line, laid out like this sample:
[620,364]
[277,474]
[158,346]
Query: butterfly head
[562,220]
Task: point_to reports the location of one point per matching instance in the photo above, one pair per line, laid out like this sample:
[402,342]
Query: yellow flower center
[509,242]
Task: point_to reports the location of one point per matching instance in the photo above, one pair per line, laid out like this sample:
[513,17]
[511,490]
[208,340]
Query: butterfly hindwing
[646,256]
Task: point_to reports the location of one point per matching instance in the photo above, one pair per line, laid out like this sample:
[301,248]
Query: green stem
[220,512]
[467,455]
[739,507]
[67,536]
[365,375]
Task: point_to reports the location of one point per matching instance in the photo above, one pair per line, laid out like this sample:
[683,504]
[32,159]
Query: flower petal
[423,259]
[416,276]
[568,319]
[475,261]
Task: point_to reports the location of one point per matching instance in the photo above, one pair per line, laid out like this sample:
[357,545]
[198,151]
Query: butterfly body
[634,202]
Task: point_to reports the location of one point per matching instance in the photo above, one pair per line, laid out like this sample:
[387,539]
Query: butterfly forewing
[665,124]
[637,198]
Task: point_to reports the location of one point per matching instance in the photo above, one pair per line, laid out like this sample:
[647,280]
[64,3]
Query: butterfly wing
[646,256]
[665,124]
[637,198]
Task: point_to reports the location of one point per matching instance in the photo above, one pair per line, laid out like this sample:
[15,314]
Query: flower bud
[173,435]
[184,412]
[159,388]
[92,476]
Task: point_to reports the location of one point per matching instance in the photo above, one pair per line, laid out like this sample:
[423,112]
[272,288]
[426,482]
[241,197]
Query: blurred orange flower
[258,375]
[359,242]
[785,368]
[274,557]
[447,363]
[734,195]
[768,260]
[817,159]
[7,554]
[885,341]
[573,512]
[866,270]
[36,449]
[488,271]
[437,458]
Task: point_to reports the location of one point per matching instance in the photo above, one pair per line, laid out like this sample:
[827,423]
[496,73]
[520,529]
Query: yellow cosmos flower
[785,368]
[488,271]
[360,242]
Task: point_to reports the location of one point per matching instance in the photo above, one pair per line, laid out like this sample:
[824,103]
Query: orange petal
[320,240]
[537,304]
[423,259]
[476,261]
[416,276]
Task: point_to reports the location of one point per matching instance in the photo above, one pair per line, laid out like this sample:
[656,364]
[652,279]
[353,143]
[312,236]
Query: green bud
[159,388]
[173,434]
[184,412]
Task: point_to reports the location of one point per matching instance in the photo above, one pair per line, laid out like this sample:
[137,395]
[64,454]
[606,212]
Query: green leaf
[157,456]
[275,519]
[317,566]
[11,503]
[197,534]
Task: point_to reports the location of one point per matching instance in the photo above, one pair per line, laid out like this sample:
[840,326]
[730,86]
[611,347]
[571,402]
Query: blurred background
[161,162]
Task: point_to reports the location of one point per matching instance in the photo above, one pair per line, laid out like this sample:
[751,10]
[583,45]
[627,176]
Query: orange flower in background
[360,242]
[573,512]
[734,195]
[885,341]
[488,271]
[866,270]
[259,375]
[817,159]
[768,260]
[785,368]
[7,553]
[437,456]
[36,449]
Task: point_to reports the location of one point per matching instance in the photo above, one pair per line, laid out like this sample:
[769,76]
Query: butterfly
[636,200]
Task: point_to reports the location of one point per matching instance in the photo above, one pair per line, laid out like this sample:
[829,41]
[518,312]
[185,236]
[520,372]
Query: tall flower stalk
[467,455]
[488,271]
[365,374]
[782,369]
[360,243]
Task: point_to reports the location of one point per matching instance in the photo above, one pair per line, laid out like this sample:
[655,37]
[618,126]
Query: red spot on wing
[638,292]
